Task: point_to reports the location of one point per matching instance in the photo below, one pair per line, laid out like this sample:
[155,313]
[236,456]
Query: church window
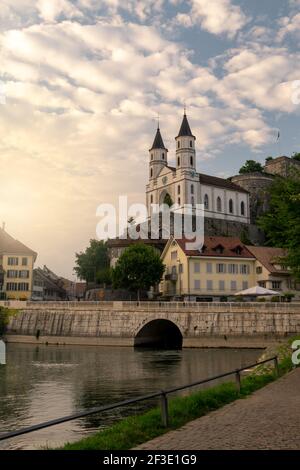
[191,143]
[192,161]
[192,189]
[151,173]
[151,198]
[231,206]
[206,202]
[179,200]
[151,156]
[242,208]
[193,201]
[163,156]
[219,204]
[178,144]
[178,189]
[178,161]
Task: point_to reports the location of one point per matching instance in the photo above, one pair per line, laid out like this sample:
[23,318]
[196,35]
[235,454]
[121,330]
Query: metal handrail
[162,394]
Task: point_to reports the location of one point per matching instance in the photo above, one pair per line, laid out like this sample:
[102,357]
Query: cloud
[215,16]
[50,10]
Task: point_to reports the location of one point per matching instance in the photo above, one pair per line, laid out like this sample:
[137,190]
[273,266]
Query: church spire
[185,130]
[158,142]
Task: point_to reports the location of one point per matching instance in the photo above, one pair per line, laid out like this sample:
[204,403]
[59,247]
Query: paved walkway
[268,419]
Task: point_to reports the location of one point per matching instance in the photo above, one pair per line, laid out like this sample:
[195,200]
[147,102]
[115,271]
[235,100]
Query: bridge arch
[160,333]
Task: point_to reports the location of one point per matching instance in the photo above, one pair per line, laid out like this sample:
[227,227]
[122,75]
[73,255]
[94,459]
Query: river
[40,383]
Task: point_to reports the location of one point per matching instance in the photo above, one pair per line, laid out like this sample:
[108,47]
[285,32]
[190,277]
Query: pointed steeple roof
[158,142]
[185,129]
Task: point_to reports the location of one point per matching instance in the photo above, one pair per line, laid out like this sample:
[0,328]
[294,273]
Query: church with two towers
[183,185]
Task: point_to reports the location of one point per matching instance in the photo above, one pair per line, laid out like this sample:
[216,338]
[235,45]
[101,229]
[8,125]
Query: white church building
[182,184]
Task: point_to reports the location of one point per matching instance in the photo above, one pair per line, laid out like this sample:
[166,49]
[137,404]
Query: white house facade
[182,184]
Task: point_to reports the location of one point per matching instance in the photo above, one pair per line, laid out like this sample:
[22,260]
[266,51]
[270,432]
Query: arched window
[192,201]
[192,189]
[178,161]
[191,143]
[231,206]
[151,156]
[219,204]
[151,173]
[206,202]
[179,201]
[191,160]
[178,144]
[163,156]
[178,189]
[242,208]
[151,198]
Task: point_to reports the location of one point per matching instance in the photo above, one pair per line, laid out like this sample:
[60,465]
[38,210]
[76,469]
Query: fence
[162,394]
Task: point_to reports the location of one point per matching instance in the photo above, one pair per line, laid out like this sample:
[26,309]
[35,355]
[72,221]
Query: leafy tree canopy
[296,156]
[251,166]
[282,223]
[138,268]
[93,264]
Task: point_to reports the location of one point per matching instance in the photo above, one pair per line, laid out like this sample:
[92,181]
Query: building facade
[47,286]
[16,268]
[224,267]
[181,185]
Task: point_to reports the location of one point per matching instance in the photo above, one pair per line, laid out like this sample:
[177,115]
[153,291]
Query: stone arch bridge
[167,324]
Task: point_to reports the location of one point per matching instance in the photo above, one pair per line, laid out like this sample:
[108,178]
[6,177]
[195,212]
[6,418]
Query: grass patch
[5,315]
[138,429]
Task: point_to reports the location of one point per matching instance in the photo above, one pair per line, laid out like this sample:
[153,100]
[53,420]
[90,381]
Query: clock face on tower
[193,173]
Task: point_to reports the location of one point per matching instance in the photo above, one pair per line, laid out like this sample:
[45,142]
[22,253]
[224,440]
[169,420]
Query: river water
[40,383]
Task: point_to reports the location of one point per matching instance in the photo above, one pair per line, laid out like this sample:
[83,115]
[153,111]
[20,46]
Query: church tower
[185,147]
[157,155]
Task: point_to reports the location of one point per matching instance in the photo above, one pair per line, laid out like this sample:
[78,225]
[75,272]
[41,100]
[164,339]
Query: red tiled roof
[8,245]
[267,256]
[211,244]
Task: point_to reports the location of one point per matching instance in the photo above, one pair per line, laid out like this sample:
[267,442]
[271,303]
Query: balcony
[171,277]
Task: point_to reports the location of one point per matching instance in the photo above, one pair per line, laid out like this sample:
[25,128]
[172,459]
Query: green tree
[138,268]
[251,166]
[168,200]
[93,263]
[296,156]
[282,223]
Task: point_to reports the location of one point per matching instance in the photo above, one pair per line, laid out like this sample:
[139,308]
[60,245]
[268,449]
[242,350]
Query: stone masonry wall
[200,324]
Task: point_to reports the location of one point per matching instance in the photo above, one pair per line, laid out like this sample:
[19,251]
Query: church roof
[185,129]
[220,182]
[158,142]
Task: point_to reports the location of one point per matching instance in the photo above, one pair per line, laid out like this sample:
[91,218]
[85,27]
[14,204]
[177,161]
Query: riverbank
[136,430]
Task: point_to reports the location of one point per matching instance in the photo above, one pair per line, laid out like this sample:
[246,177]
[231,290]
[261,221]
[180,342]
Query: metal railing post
[276,366]
[164,409]
[238,380]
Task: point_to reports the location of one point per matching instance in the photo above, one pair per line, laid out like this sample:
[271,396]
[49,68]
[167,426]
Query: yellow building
[16,268]
[223,267]
[270,273]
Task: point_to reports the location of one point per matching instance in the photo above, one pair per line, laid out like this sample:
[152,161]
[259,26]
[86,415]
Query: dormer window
[238,250]
[219,249]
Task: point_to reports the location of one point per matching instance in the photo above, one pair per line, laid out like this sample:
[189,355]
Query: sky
[82,83]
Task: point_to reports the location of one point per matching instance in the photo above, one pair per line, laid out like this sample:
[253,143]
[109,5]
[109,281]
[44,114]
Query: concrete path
[268,419]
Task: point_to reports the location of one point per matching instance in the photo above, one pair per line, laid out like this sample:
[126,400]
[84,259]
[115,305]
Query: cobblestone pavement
[268,419]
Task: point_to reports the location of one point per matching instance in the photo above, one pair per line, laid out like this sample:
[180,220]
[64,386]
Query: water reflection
[45,382]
